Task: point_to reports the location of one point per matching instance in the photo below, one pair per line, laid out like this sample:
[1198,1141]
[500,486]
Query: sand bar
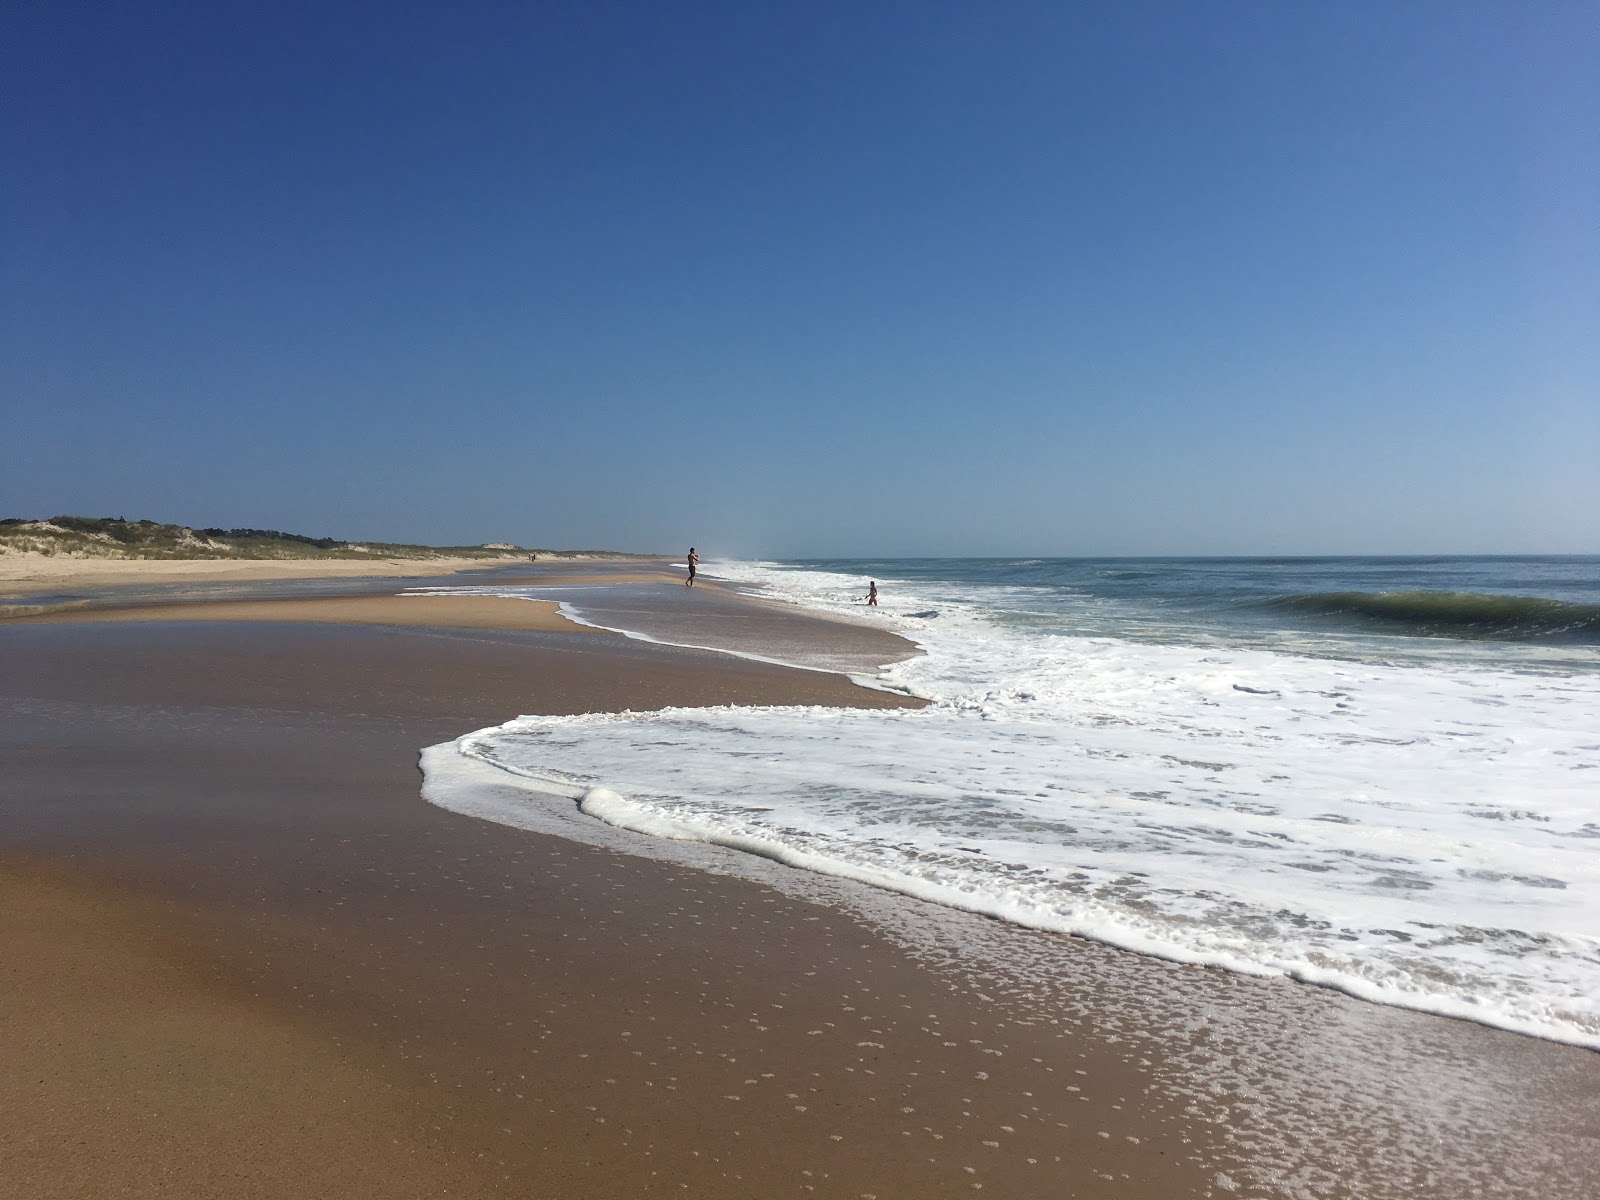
[245,953]
[460,612]
[23,574]
[645,596]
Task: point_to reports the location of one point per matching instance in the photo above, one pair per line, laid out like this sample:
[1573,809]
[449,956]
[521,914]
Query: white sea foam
[1417,833]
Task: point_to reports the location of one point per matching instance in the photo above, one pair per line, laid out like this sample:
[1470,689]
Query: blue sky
[819,279]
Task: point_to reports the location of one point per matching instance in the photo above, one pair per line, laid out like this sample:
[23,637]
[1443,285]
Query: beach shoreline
[439,611]
[31,574]
[316,955]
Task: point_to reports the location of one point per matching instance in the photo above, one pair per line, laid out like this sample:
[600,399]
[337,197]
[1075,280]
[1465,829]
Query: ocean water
[1377,775]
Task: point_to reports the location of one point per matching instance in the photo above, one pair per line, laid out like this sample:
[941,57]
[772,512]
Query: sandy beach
[455,612]
[24,574]
[244,958]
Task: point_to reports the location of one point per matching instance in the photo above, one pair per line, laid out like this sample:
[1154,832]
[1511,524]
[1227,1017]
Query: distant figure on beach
[872,592]
[694,561]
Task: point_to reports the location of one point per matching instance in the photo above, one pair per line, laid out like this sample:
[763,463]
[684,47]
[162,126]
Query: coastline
[316,955]
[454,612]
[25,574]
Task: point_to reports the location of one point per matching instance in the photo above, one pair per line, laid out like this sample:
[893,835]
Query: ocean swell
[1458,614]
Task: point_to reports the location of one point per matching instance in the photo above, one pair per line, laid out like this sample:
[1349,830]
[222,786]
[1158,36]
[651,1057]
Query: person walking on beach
[872,593]
[694,561]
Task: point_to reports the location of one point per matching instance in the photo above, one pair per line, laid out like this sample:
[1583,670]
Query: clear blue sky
[809,279]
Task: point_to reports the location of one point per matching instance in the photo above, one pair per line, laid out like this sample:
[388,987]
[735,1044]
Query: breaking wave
[1458,614]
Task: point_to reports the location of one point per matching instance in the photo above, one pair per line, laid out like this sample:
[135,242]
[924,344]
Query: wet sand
[234,900]
[645,597]
[243,958]
[443,611]
[23,574]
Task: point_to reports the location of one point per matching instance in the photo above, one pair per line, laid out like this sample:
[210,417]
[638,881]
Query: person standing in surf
[694,561]
[872,593]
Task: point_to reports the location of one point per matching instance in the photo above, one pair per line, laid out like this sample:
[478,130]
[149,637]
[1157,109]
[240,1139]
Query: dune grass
[119,538]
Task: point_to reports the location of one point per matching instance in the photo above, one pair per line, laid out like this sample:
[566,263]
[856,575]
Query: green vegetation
[117,537]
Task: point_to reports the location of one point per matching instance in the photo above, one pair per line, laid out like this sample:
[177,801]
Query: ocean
[1380,775]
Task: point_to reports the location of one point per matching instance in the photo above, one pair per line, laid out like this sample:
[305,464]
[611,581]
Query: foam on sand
[1418,835]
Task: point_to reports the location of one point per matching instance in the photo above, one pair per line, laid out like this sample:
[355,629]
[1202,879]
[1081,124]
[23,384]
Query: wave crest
[1459,614]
